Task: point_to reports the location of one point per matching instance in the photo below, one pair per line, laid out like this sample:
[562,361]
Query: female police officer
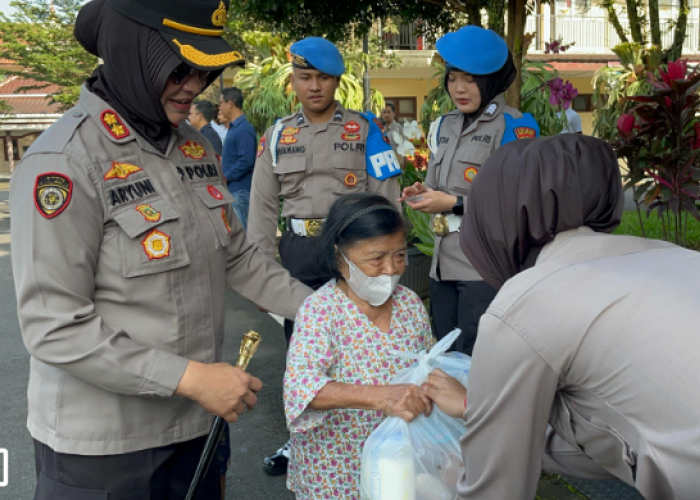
[479,68]
[124,240]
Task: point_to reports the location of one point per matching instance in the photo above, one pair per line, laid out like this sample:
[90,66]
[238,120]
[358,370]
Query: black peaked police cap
[192,28]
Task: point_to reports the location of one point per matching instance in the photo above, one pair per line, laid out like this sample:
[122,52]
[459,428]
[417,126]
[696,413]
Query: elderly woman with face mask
[587,360]
[478,69]
[343,350]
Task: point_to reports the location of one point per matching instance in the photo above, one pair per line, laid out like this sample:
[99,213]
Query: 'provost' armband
[520,128]
[381,159]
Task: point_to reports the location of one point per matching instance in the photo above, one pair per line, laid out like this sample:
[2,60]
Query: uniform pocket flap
[139,219]
[475,155]
[347,162]
[290,165]
[213,195]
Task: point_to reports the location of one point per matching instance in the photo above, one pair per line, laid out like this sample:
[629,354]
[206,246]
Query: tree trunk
[517,16]
[654,22]
[474,14]
[676,50]
[496,13]
[609,6]
[635,21]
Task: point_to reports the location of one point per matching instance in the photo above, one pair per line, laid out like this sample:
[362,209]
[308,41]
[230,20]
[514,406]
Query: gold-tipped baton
[249,344]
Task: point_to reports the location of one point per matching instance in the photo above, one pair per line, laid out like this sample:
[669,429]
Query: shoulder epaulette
[55,139]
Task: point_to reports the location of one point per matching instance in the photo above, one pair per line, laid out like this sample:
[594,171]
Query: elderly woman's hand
[447,393]
[406,401]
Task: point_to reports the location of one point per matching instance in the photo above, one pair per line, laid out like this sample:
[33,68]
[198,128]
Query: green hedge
[653,228]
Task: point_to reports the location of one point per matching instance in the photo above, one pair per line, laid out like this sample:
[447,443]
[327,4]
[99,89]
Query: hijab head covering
[484,55]
[528,191]
[137,63]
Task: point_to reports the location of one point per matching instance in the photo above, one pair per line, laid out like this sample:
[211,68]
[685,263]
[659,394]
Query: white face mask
[375,290]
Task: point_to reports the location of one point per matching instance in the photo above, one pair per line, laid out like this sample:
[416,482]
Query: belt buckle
[313,227]
[441,225]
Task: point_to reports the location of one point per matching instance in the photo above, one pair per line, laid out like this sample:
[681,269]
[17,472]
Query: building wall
[405,87]
[24,143]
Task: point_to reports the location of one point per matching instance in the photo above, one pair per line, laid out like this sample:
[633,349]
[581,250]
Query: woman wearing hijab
[587,360]
[124,242]
[479,69]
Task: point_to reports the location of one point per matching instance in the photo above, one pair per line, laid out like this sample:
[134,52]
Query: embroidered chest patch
[352,127]
[346,136]
[149,213]
[114,124]
[351,180]
[193,150]
[215,193]
[121,171]
[525,133]
[261,146]
[156,245]
[52,194]
[288,139]
[469,174]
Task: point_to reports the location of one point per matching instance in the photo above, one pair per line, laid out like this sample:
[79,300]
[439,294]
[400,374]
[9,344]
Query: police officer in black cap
[124,242]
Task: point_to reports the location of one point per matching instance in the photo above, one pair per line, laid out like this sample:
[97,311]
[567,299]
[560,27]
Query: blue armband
[520,128]
[380,158]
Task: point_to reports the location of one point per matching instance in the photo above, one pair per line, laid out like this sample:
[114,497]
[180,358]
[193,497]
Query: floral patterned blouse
[334,341]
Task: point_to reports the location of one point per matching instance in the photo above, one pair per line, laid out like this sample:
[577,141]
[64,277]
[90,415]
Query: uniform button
[78,114]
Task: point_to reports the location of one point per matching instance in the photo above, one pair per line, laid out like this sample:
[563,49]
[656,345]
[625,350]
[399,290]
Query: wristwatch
[458,208]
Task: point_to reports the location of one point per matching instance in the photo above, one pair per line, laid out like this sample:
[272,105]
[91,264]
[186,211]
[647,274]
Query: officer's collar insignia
[218,18]
[288,139]
[351,179]
[208,60]
[52,194]
[300,119]
[290,131]
[261,146]
[156,245]
[121,171]
[215,193]
[352,127]
[469,174]
[491,110]
[300,61]
[114,124]
[347,136]
[149,213]
[525,133]
[193,150]
[223,216]
[338,116]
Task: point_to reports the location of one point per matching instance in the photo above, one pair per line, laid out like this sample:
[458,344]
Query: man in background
[240,147]
[391,126]
[573,123]
[201,115]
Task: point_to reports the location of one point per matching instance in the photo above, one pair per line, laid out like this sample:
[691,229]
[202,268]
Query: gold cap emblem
[218,18]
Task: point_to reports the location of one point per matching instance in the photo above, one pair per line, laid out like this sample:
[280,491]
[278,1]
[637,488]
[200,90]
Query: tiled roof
[29,102]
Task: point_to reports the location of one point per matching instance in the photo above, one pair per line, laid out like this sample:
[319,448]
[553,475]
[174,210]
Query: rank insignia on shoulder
[351,180]
[52,194]
[156,245]
[520,128]
[491,110]
[352,127]
[290,131]
[215,193]
[114,124]
[121,171]
[193,150]
[149,213]
[261,146]
[288,139]
[469,174]
[347,136]
[223,216]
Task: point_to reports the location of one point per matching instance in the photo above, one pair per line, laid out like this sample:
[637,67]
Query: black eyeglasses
[184,71]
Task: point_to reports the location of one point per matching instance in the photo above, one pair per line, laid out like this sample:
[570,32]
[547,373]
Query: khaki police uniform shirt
[451,170]
[119,290]
[316,165]
[600,340]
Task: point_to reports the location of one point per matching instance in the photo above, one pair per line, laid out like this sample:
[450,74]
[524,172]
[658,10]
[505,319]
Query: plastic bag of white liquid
[420,460]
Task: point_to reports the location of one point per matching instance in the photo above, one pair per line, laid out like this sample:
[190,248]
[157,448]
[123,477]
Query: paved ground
[256,434]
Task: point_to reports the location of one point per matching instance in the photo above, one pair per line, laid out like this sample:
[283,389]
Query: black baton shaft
[207,455]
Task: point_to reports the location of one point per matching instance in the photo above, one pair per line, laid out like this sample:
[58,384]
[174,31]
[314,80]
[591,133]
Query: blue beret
[317,53]
[474,50]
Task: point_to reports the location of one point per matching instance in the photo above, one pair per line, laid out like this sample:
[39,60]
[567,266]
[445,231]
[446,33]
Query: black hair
[391,105]
[234,95]
[206,108]
[343,228]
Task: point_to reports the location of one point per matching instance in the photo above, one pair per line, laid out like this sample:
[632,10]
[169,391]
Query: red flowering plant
[660,139]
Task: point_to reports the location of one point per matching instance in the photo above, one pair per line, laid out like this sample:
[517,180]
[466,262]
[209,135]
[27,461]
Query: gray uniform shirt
[459,156]
[315,166]
[119,290]
[600,340]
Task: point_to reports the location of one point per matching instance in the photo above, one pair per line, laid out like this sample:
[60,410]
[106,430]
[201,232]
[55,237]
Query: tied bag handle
[423,367]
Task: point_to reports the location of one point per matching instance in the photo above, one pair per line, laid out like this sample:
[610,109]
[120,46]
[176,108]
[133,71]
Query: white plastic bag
[420,460]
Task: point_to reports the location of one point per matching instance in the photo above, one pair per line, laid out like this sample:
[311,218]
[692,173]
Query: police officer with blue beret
[478,70]
[310,159]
